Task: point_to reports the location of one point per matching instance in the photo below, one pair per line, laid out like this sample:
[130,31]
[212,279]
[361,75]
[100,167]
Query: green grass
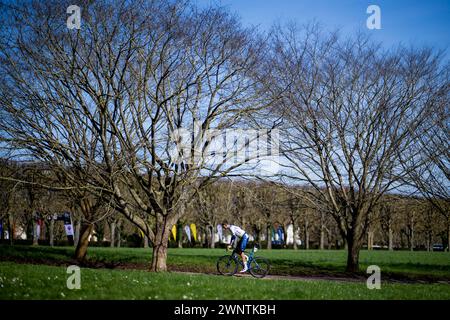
[25,281]
[301,262]
[396,264]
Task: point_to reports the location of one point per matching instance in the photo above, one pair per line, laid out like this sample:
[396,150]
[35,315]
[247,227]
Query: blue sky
[416,22]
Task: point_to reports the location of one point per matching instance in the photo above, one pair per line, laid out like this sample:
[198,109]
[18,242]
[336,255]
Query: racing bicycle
[257,266]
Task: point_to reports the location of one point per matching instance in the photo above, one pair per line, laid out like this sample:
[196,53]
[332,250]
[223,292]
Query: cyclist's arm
[233,237]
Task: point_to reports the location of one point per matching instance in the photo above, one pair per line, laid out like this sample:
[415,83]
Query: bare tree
[213,206]
[350,109]
[431,174]
[264,198]
[110,97]
[295,210]
[388,218]
[8,188]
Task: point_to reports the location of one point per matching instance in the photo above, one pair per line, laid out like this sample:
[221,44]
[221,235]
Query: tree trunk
[118,233]
[11,230]
[295,247]
[269,237]
[159,256]
[260,232]
[180,231]
[77,232]
[448,235]
[36,226]
[145,242]
[352,255]
[213,238]
[51,232]
[411,234]
[83,241]
[329,238]
[205,237]
[369,240]
[411,239]
[322,231]
[307,240]
[390,238]
[113,233]
[29,230]
[322,239]
[330,241]
[306,234]
[42,231]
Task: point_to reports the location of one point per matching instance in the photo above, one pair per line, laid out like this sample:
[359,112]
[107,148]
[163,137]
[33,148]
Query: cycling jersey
[236,231]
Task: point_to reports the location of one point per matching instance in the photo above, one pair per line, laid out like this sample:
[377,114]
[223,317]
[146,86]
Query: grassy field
[40,273]
[395,265]
[25,281]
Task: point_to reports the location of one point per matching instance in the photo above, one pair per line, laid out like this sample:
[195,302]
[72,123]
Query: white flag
[188,232]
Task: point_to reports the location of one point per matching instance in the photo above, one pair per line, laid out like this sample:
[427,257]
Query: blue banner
[278,236]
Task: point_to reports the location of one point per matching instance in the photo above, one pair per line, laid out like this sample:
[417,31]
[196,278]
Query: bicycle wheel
[227,265]
[259,267]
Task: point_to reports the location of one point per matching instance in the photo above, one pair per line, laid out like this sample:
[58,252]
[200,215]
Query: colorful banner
[174,232]
[280,234]
[69,229]
[188,232]
[276,237]
[194,231]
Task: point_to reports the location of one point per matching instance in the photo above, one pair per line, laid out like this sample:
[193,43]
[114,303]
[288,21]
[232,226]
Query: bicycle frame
[253,264]
[250,257]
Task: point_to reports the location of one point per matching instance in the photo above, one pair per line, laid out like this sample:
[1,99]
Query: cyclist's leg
[241,247]
[243,242]
[239,251]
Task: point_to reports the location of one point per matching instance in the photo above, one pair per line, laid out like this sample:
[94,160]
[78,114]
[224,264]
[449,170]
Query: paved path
[277,277]
[358,279]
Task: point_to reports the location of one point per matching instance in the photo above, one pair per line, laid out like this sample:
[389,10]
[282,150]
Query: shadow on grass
[201,263]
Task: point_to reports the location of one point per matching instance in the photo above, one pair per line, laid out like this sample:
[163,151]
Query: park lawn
[398,264]
[393,264]
[26,281]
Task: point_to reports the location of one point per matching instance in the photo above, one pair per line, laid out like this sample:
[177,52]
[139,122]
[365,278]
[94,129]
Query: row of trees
[31,191]
[101,107]
[400,222]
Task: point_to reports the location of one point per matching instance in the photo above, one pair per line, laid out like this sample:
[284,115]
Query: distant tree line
[399,223]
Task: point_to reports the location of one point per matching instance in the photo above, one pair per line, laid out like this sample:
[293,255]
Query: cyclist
[238,233]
